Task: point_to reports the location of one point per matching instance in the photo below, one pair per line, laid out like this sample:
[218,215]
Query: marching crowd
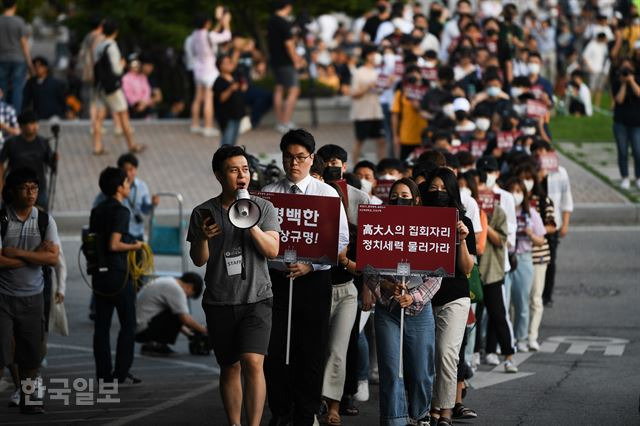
[458,100]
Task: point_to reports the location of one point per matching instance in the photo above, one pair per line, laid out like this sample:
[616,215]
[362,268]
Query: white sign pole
[404,270]
[290,256]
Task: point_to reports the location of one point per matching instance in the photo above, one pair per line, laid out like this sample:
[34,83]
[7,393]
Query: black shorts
[239,329]
[286,76]
[21,318]
[368,129]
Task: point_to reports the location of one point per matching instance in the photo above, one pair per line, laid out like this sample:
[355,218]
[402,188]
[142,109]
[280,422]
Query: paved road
[598,296]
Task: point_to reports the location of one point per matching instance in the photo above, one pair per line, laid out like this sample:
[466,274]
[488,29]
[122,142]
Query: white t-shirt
[472,211]
[161,294]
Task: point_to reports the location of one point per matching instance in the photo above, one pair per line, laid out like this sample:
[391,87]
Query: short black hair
[364,164]
[9,3]
[27,117]
[317,167]
[221,58]
[451,185]
[330,151]
[535,55]
[540,144]
[434,156]
[298,137]
[445,72]
[390,163]
[466,159]
[225,152]
[368,49]
[110,179]
[452,160]
[195,280]
[109,27]
[16,178]
[128,158]
[352,180]
[40,60]
[281,4]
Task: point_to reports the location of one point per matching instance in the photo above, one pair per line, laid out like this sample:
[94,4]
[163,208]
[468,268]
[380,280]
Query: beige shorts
[115,101]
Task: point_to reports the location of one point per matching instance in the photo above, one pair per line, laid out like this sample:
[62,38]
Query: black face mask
[491,32]
[437,199]
[332,174]
[401,201]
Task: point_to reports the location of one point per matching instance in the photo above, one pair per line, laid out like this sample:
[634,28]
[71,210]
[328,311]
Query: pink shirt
[136,88]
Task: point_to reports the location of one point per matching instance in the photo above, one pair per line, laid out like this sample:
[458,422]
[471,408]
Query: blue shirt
[138,202]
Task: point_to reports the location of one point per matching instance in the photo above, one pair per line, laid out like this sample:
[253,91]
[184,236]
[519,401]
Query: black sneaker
[129,379]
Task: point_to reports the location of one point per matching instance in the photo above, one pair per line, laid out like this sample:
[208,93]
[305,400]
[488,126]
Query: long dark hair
[451,185]
[415,191]
[515,181]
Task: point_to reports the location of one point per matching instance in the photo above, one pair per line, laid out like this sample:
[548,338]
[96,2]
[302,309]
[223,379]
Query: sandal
[136,149]
[347,408]
[444,421]
[100,151]
[462,412]
[332,420]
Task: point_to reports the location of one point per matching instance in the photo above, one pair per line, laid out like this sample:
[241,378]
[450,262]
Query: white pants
[536,308]
[344,304]
[451,323]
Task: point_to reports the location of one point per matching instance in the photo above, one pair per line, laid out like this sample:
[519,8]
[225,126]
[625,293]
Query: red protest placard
[478,148]
[309,225]
[536,109]
[383,186]
[429,74]
[548,161]
[458,145]
[506,139]
[424,237]
[487,200]
[414,92]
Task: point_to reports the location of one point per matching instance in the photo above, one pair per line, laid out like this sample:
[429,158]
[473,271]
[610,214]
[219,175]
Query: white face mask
[493,91]
[465,191]
[377,59]
[534,68]
[516,92]
[448,110]
[491,179]
[529,131]
[366,186]
[465,169]
[519,197]
[388,177]
[528,183]
[430,64]
[483,123]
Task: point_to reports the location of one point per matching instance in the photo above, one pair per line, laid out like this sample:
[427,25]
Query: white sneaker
[363,391]
[281,128]
[291,125]
[475,360]
[245,125]
[522,347]
[534,346]
[210,132]
[195,129]
[14,398]
[510,367]
[492,359]
[625,184]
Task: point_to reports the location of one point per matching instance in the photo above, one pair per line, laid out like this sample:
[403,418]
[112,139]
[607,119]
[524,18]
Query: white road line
[603,228]
[66,421]
[167,404]
[50,357]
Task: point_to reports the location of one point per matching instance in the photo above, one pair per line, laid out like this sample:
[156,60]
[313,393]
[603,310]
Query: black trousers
[499,328]
[550,277]
[124,303]
[294,391]
[163,328]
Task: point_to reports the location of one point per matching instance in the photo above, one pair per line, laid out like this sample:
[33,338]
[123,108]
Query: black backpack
[104,76]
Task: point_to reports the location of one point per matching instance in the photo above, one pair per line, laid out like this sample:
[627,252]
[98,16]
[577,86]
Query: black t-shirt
[625,113]
[278,32]
[106,218]
[457,287]
[489,107]
[35,155]
[434,99]
[233,108]
[371,27]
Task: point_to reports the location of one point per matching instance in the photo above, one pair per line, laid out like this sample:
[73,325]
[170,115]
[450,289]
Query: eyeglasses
[28,188]
[299,159]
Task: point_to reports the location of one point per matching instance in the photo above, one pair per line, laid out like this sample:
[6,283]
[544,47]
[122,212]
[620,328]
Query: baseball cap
[487,164]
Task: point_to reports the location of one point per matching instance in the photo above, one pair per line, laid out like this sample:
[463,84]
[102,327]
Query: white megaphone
[244,213]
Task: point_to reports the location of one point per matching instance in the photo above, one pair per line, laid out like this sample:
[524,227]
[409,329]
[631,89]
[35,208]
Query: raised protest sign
[477,148]
[383,186]
[548,161]
[458,145]
[506,139]
[414,92]
[309,225]
[536,109]
[487,201]
[423,237]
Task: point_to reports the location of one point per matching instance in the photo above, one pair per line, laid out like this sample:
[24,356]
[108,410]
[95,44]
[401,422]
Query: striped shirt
[422,289]
[7,116]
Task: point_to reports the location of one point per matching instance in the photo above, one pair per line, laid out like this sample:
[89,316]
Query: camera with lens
[625,72]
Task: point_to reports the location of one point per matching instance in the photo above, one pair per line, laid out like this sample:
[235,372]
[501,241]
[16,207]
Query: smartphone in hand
[207,217]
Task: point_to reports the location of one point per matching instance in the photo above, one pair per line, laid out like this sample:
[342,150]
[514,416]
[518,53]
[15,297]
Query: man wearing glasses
[294,390]
[29,242]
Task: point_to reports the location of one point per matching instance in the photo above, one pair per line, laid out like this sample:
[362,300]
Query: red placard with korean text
[487,201]
[548,161]
[478,148]
[383,186]
[506,139]
[424,237]
[309,225]
[536,109]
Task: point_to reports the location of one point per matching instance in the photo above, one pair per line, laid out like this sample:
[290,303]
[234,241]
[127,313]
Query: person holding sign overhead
[419,333]
[237,300]
[451,303]
[294,390]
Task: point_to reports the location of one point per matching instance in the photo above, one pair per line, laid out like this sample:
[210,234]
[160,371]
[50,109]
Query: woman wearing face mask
[483,136]
[530,233]
[401,401]
[541,254]
[452,302]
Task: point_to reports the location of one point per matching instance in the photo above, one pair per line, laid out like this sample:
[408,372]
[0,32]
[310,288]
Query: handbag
[58,319]
[475,286]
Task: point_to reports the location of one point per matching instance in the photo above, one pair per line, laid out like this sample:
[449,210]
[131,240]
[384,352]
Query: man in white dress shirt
[294,390]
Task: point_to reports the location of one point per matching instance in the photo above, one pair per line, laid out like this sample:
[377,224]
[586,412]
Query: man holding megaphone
[234,234]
